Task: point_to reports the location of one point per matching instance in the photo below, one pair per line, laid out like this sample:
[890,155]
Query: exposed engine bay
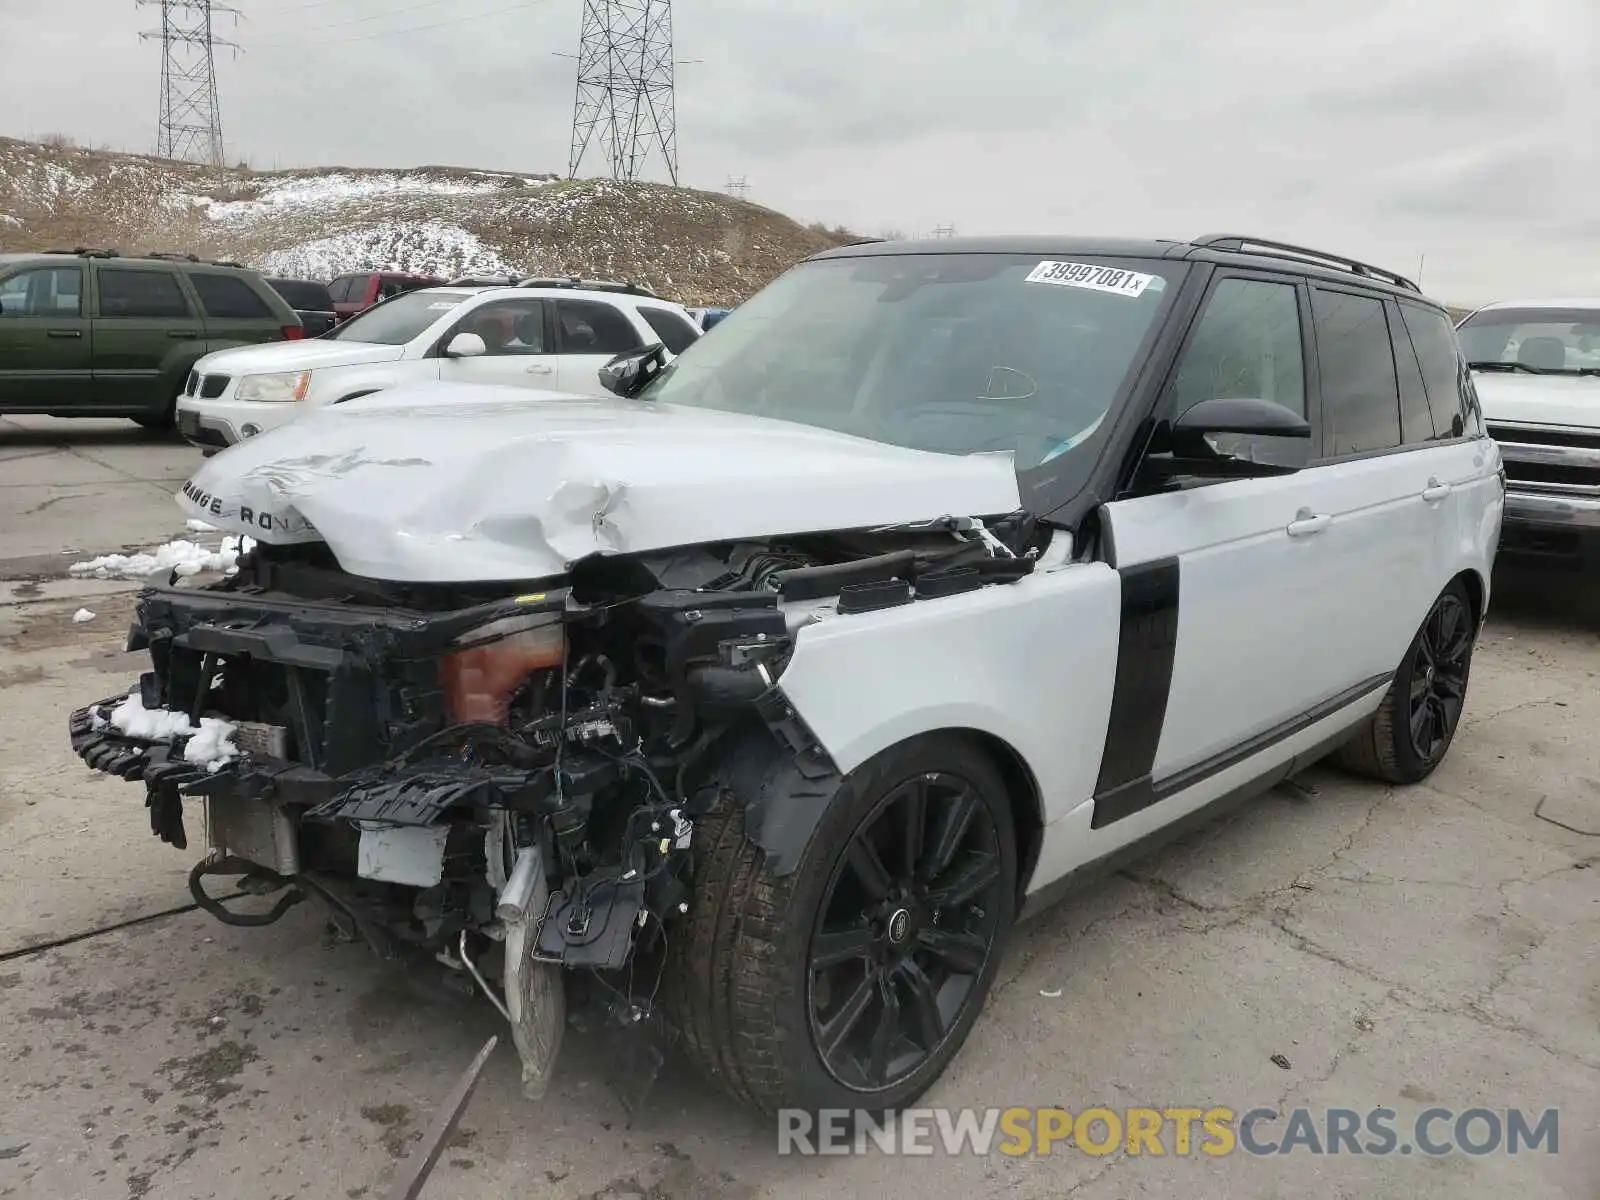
[490,772]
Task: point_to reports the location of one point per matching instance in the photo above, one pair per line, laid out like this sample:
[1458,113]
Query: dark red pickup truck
[354,293]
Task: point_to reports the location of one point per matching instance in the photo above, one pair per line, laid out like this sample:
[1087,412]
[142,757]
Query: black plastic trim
[1146,644]
[1139,794]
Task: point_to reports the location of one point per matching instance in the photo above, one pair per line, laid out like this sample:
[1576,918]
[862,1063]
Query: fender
[1031,664]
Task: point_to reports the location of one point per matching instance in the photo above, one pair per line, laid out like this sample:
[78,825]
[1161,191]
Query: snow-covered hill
[700,247]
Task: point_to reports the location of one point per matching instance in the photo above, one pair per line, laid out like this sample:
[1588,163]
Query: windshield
[956,353]
[1541,340]
[396,322]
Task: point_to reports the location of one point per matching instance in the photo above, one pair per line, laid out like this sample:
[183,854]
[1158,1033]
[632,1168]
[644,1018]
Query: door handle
[1436,491]
[537,369]
[1306,523]
[64,333]
[183,333]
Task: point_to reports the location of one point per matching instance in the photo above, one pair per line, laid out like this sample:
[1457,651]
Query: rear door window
[592,327]
[151,295]
[1360,392]
[1444,372]
[1416,419]
[227,297]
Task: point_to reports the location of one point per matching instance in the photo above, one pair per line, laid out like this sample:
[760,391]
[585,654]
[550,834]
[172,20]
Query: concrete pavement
[1432,945]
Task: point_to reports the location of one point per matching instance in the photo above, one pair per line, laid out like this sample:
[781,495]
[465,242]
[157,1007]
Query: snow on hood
[448,483]
[1539,399]
[303,355]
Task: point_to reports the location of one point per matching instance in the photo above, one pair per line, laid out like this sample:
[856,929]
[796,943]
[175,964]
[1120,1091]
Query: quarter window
[228,297]
[148,294]
[1443,371]
[43,292]
[1360,393]
[590,327]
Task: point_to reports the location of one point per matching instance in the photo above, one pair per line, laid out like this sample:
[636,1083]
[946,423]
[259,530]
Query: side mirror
[1239,417]
[629,372]
[465,345]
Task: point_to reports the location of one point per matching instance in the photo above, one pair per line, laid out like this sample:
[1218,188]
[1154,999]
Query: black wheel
[854,980]
[1412,730]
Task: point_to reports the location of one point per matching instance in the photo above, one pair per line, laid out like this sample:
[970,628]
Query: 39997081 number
[1089,275]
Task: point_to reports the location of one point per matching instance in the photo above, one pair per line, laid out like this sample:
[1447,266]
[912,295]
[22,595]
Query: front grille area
[1578,439]
[213,386]
[1552,459]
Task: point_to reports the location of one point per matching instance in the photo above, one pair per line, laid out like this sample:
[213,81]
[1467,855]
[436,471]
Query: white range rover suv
[789,677]
[1536,368]
[546,334]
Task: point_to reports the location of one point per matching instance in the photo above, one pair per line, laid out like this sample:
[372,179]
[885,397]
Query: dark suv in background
[356,293]
[311,302]
[94,333]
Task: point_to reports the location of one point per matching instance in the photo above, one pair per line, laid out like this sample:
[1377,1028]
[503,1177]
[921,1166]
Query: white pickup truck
[1536,368]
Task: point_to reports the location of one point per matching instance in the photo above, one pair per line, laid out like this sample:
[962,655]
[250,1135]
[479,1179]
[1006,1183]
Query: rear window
[676,334]
[227,297]
[304,294]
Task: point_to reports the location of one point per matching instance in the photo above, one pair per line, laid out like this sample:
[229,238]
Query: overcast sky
[1462,130]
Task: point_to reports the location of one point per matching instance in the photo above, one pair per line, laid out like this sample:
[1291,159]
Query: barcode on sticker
[1087,275]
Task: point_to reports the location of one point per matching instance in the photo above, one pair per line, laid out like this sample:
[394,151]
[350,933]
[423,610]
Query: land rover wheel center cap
[899,926]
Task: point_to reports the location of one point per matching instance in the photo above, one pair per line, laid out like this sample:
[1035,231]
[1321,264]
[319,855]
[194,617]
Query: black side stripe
[1146,643]
[1139,794]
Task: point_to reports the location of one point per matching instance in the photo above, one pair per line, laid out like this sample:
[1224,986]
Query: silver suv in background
[1535,366]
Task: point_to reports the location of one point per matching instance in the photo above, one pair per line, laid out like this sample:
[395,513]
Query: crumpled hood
[1539,399]
[446,483]
[295,356]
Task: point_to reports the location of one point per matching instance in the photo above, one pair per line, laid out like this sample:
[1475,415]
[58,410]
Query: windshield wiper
[1497,365]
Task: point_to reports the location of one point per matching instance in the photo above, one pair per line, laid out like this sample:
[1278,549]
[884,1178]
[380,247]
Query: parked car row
[550,335]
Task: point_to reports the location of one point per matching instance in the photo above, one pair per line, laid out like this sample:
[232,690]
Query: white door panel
[580,373]
[511,370]
[1248,594]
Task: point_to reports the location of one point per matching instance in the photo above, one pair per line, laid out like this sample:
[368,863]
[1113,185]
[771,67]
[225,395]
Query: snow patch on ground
[209,746]
[181,555]
[420,247]
[320,191]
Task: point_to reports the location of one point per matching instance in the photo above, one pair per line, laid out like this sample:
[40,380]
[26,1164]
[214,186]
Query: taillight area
[294,333]
[479,682]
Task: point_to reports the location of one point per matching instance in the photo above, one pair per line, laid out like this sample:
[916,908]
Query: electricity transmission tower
[191,120]
[625,86]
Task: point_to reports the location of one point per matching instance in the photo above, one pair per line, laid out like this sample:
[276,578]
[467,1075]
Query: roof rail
[87,252]
[173,256]
[591,285]
[1243,243]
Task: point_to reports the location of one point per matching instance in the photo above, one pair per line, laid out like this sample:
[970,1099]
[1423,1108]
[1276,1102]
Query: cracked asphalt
[1436,945]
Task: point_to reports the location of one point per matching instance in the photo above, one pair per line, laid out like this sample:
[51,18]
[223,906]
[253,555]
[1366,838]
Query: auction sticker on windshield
[1086,275]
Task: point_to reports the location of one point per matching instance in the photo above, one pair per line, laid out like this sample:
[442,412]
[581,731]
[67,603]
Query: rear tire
[1408,737]
[164,423]
[879,952]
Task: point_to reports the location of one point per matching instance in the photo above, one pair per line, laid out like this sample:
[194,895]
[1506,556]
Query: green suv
[93,333]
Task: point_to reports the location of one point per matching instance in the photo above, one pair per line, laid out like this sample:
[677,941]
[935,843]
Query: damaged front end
[493,772]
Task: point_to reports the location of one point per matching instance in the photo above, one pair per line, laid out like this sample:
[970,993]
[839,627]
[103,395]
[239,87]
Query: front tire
[852,981]
[1408,737]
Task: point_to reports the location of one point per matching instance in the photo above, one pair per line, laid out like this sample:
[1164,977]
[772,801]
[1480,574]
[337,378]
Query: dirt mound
[697,247]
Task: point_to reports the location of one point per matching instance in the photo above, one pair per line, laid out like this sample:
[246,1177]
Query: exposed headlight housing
[283,387]
[494,660]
